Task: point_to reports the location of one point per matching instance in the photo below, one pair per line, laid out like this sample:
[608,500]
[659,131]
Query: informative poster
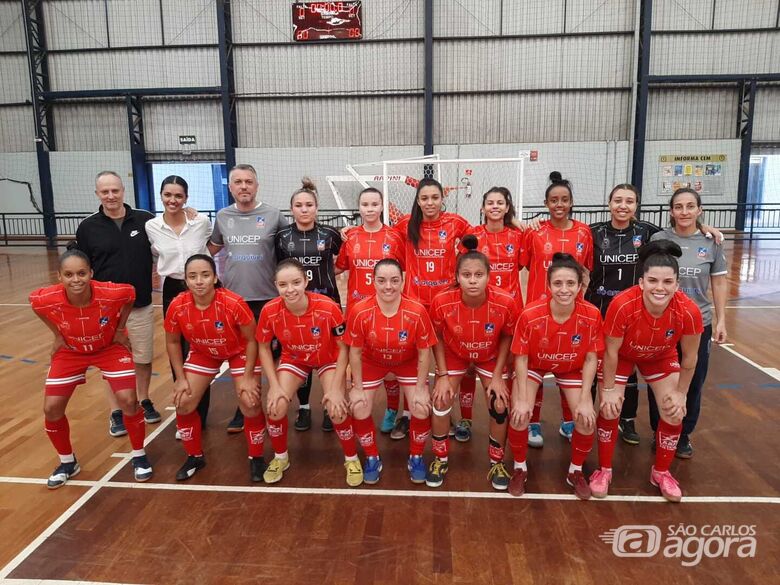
[701,172]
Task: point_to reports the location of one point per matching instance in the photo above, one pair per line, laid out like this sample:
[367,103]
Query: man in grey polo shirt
[246,231]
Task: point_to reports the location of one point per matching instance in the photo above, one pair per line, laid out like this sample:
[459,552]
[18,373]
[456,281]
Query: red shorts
[374,373]
[68,369]
[303,370]
[207,365]
[457,366]
[564,380]
[651,371]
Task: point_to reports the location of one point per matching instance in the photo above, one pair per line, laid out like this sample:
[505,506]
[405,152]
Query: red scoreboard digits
[318,21]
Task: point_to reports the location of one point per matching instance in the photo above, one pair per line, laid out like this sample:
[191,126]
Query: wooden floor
[220,528]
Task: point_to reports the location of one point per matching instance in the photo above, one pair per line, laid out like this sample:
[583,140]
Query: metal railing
[761,220]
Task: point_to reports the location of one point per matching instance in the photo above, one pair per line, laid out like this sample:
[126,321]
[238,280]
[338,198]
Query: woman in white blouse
[174,238]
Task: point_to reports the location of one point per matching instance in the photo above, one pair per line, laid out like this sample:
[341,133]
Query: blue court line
[770,385]
[729,386]
[27,361]
[6,357]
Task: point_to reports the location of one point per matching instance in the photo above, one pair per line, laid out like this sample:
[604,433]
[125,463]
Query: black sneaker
[257,467]
[62,474]
[142,469]
[327,424]
[190,467]
[151,415]
[236,425]
[628,431]
[684,448]
[116,424]
[303,421]
[401,428]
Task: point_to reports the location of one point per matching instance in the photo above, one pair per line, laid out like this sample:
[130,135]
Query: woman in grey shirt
[702,265]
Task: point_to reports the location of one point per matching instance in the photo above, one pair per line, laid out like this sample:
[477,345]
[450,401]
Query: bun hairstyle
[75,253]
[471,243]
[557,180]
[307,186]
[563,260]
[205,258]
[510,207]
[663,253]
[416,216]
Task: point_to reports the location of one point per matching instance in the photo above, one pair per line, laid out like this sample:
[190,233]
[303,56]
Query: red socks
[666,439]
[441,446]
[58,432]
[346,437]
[136,429]
[518,442]
[607,431]
[254,431]
[393,389]
[190,431]
[580,447]
[566,414]
[468,387]
[419,431]
[366,435]
[495,450]
[277,431]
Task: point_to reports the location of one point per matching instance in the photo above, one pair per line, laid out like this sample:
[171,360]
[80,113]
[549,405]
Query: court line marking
[57,582]
[769,371]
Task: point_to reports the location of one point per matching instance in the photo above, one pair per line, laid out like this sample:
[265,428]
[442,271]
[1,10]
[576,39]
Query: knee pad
[499,417]
[441,412]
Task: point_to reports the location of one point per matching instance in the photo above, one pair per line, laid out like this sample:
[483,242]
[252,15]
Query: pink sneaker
[669,487]
[599,483]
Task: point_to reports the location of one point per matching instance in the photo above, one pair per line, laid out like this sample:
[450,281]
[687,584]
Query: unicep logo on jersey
[637,241]
[701,252]
[686,542]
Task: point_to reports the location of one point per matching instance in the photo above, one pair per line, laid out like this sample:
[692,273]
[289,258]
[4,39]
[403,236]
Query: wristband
[608,389]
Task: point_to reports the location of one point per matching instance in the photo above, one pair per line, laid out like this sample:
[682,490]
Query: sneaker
[684,448]
[303,420]
[372,470]
[463,431]
[599,483]
[416,467]
[388,421]
[499,476]
[257,467]
[275,470]
[116,424]
[436,472]
[327,424]
[517,483]
[535,438]
[62,473]
[236,425]
[577,480]
[669,487]
[355,472]
[628,431]
[401,428]
[566,429]
[142,469]
[190,467]
[151,416]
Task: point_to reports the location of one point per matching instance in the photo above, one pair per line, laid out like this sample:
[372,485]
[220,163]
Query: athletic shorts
[374,373]
[207,365]
[651,371]
[457,366]
[565,380]
[68,369]
[302,370]
[140,331]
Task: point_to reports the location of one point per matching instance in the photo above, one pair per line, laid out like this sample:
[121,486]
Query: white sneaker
[535,438]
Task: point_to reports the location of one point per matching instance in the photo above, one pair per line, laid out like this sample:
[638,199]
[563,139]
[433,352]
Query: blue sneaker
[535,438]
[116,424]
[372,470]
[388,421]
[566,429]
[62,474]
[463,431]
[142,469]
[417,469]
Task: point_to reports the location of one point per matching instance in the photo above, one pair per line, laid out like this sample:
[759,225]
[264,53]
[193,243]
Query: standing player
[561,336]
[559,234]
[309,326]
[642,329]
[363,247]
[219,326]
[315,246]
[476,321]
[88,320]
[390,334]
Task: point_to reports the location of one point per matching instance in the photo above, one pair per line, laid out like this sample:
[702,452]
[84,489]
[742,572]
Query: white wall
[73,178]
[21,166]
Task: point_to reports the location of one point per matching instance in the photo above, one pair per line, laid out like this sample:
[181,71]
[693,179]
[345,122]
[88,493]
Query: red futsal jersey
[84,329]
[360,253]
[390,341]
[646,338]
[309,338]
[504,251]
[558,347]
[430,268]
[214,331]
[540,245]
[473,334]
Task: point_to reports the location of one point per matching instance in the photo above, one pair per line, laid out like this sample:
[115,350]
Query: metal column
[135,124]
[747,103]
[229,124]
[428,83]
[643,71]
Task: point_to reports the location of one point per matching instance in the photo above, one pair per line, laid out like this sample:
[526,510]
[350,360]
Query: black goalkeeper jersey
[316,249]
[616,254]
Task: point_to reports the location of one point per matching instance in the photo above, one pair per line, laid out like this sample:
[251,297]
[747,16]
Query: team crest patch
[356,248]
[548,247]
[605,242]
[701,252]
[315,331]
[290,246]
[669,333]
[490,327]
[103,321]
[320,245]
[443,235]
[260,221]
[386,248]
[219,325]
[637,241]
[231,222]
[576,339]
[580,247]
[403,335]
[510,249]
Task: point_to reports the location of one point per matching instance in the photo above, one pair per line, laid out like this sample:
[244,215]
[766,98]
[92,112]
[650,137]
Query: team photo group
[433,305]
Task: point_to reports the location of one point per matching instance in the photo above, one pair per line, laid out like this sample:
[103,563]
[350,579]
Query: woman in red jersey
[310,327]
[363,247]
[643,327]
[390,334]
[476,321]
[559,234]
[561,335]
[88,320]
[219,326]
